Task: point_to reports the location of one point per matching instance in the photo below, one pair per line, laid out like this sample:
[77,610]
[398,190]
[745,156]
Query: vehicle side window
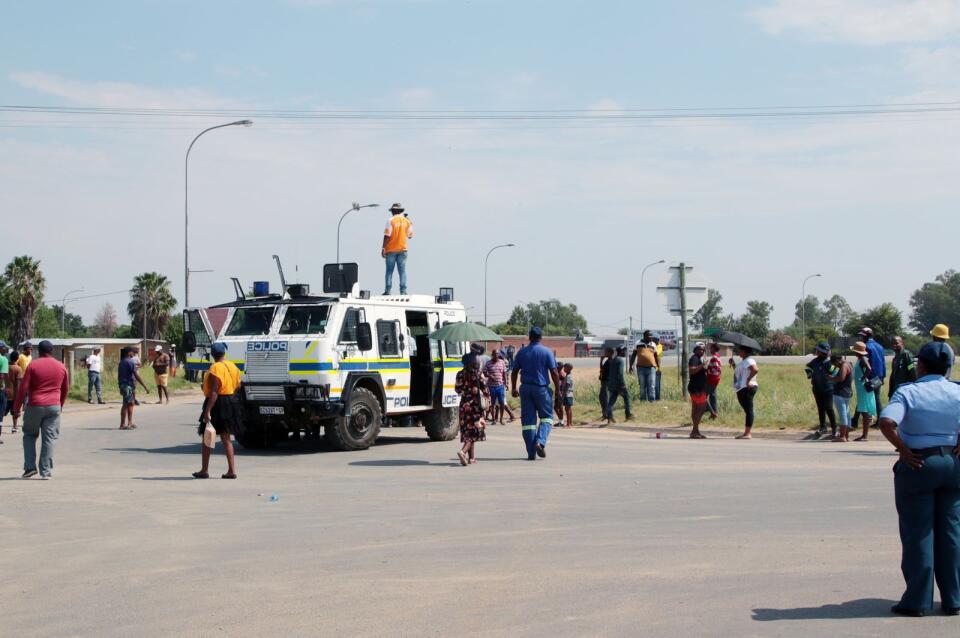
[452,348]
[197,328]
[388,334]
[353,317]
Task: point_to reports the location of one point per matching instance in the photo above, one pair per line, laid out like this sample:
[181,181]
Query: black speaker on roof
[339,278]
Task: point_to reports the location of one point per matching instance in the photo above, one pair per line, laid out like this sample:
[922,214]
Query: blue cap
[536,332]
[219,348]
[3,344]
[655,335]
[823,347]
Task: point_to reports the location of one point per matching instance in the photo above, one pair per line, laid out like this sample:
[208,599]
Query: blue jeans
[928,505]
[3,403]
[536,405]
[656,395]
[612,393]
[842,404]
[647,377]
[41,420]
[398,261]
[93,381]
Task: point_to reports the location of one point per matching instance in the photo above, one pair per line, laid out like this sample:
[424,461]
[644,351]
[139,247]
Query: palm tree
[150,294]
[27,285]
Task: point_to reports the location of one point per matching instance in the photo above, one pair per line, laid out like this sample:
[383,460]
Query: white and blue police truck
[344,361]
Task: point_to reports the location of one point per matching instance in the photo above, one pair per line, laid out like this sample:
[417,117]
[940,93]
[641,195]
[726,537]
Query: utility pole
[143,311]
[684,370]
[630,333]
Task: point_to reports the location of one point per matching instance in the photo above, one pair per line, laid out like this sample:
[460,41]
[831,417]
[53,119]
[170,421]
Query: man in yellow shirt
[399,229]
[26,356]
[656,339]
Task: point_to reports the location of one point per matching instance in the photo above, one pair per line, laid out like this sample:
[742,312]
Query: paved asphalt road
[614,534]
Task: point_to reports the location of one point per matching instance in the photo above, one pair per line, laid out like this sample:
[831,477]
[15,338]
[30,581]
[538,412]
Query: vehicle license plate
[271,409]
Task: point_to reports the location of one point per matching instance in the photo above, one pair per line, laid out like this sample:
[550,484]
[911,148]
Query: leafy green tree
[554,317]
[72,324]
[150,294]
[809,312]
[27,285]
[124,332]
[710,314]
[755,322]
[837,312]
[173,332]
[46,323]
[885,321]
[937,302]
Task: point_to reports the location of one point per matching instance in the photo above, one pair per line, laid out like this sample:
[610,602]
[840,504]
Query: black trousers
[856,417]
[745,397]
[603,399]
[825,409]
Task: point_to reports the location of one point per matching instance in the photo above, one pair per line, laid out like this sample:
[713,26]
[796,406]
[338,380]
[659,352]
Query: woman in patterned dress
[472,387]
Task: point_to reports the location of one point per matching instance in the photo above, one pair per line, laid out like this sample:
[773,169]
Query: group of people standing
[835,381]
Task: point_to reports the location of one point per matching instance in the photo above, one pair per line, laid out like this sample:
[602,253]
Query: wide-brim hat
[397,207]
[940,331]
[859,348]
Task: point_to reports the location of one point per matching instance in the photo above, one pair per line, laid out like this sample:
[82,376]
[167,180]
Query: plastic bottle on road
[274,498]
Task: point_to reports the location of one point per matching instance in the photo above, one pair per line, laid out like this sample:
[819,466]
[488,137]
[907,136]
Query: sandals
[124,427]
[463,458]
[201,475]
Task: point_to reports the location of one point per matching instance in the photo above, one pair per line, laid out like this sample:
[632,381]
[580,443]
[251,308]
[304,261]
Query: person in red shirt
[44,386]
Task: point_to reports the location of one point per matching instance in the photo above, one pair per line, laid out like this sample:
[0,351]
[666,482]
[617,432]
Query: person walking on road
[745,385]
[864,377]
[617,384]
[922,421]
[841,374]
[877,363]
[714,374]
[818,371]
[14,376]
[94,365]
[471,385]
[4,374]
[902,368]
[161,367]
[127,378]
[221,409]
[496,376]
[697,387]
[399,229]
[940,334]
[537,367]
[44,388]
[603,396]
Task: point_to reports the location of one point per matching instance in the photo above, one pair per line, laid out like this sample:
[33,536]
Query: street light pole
[63,309]
[642,273]
[186,217]
[486,262]
[803,313]
[353,207]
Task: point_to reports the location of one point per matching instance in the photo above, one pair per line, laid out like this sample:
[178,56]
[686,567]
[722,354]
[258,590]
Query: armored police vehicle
[343,361]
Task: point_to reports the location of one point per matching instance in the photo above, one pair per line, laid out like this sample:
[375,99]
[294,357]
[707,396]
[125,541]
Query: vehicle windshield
[305,320]
[248,322]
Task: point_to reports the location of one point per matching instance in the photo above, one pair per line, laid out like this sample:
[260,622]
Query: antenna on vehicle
[237,288]
[283,280]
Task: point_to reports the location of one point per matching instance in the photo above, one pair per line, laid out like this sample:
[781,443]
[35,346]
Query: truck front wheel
[359,427]
[256,436]
[442,424]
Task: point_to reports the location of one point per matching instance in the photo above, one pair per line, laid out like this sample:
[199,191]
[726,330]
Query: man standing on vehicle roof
[537,367]
[399,229]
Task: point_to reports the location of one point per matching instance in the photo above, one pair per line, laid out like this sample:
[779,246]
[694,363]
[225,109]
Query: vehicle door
[198,336]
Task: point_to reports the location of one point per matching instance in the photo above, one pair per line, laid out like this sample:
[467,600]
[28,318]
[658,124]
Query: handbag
[870,380]
[210,436]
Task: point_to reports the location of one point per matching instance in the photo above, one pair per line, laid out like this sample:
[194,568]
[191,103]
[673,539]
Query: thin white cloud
[113,94]
[867,22]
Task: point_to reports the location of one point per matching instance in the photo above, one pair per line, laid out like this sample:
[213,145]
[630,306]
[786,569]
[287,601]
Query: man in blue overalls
[537,367]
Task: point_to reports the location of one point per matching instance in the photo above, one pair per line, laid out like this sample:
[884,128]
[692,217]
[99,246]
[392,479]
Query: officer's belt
[940,450]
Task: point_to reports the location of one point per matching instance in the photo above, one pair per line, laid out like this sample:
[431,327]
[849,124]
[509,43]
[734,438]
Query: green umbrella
[465,331]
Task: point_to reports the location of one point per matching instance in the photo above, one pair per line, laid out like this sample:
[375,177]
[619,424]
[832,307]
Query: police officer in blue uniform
[922,421]
[537,367]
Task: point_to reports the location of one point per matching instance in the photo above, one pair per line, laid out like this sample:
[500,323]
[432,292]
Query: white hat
[159,348]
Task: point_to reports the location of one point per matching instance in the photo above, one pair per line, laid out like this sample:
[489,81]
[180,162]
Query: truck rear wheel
[442,424]
[359,427]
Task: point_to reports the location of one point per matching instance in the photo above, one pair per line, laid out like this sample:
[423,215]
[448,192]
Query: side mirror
[189,343]
[364,337]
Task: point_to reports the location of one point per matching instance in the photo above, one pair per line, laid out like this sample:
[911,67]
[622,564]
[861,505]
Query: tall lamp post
[486,262]
[63,309]
[642,273]
[803,313]
[186,217]
[353,207]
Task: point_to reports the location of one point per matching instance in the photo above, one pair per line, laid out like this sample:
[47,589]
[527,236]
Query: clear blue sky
[755,205]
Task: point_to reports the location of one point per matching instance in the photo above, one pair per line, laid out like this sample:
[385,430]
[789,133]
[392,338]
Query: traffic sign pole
[684,370]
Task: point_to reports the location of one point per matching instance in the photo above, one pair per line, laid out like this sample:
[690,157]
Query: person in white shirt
[94,365]
[745,385]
